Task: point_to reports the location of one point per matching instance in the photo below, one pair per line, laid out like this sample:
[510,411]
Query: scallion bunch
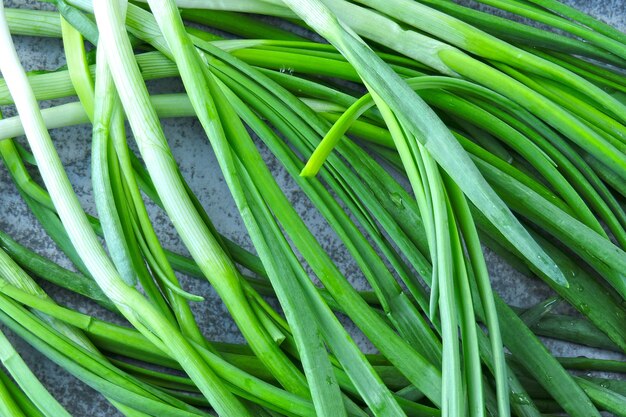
[420,131]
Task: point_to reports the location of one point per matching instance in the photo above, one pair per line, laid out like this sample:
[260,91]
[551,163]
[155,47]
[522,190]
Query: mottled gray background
[201,171]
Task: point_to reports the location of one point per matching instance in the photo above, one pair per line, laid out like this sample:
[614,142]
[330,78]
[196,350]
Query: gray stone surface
[200,169]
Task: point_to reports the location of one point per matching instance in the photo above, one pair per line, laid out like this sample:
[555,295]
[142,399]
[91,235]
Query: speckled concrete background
[200,169]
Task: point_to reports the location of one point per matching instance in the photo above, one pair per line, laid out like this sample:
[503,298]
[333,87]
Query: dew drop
[396,199]
[521,399]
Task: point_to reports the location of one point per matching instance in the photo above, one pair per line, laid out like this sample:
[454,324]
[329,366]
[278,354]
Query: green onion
[422,131]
